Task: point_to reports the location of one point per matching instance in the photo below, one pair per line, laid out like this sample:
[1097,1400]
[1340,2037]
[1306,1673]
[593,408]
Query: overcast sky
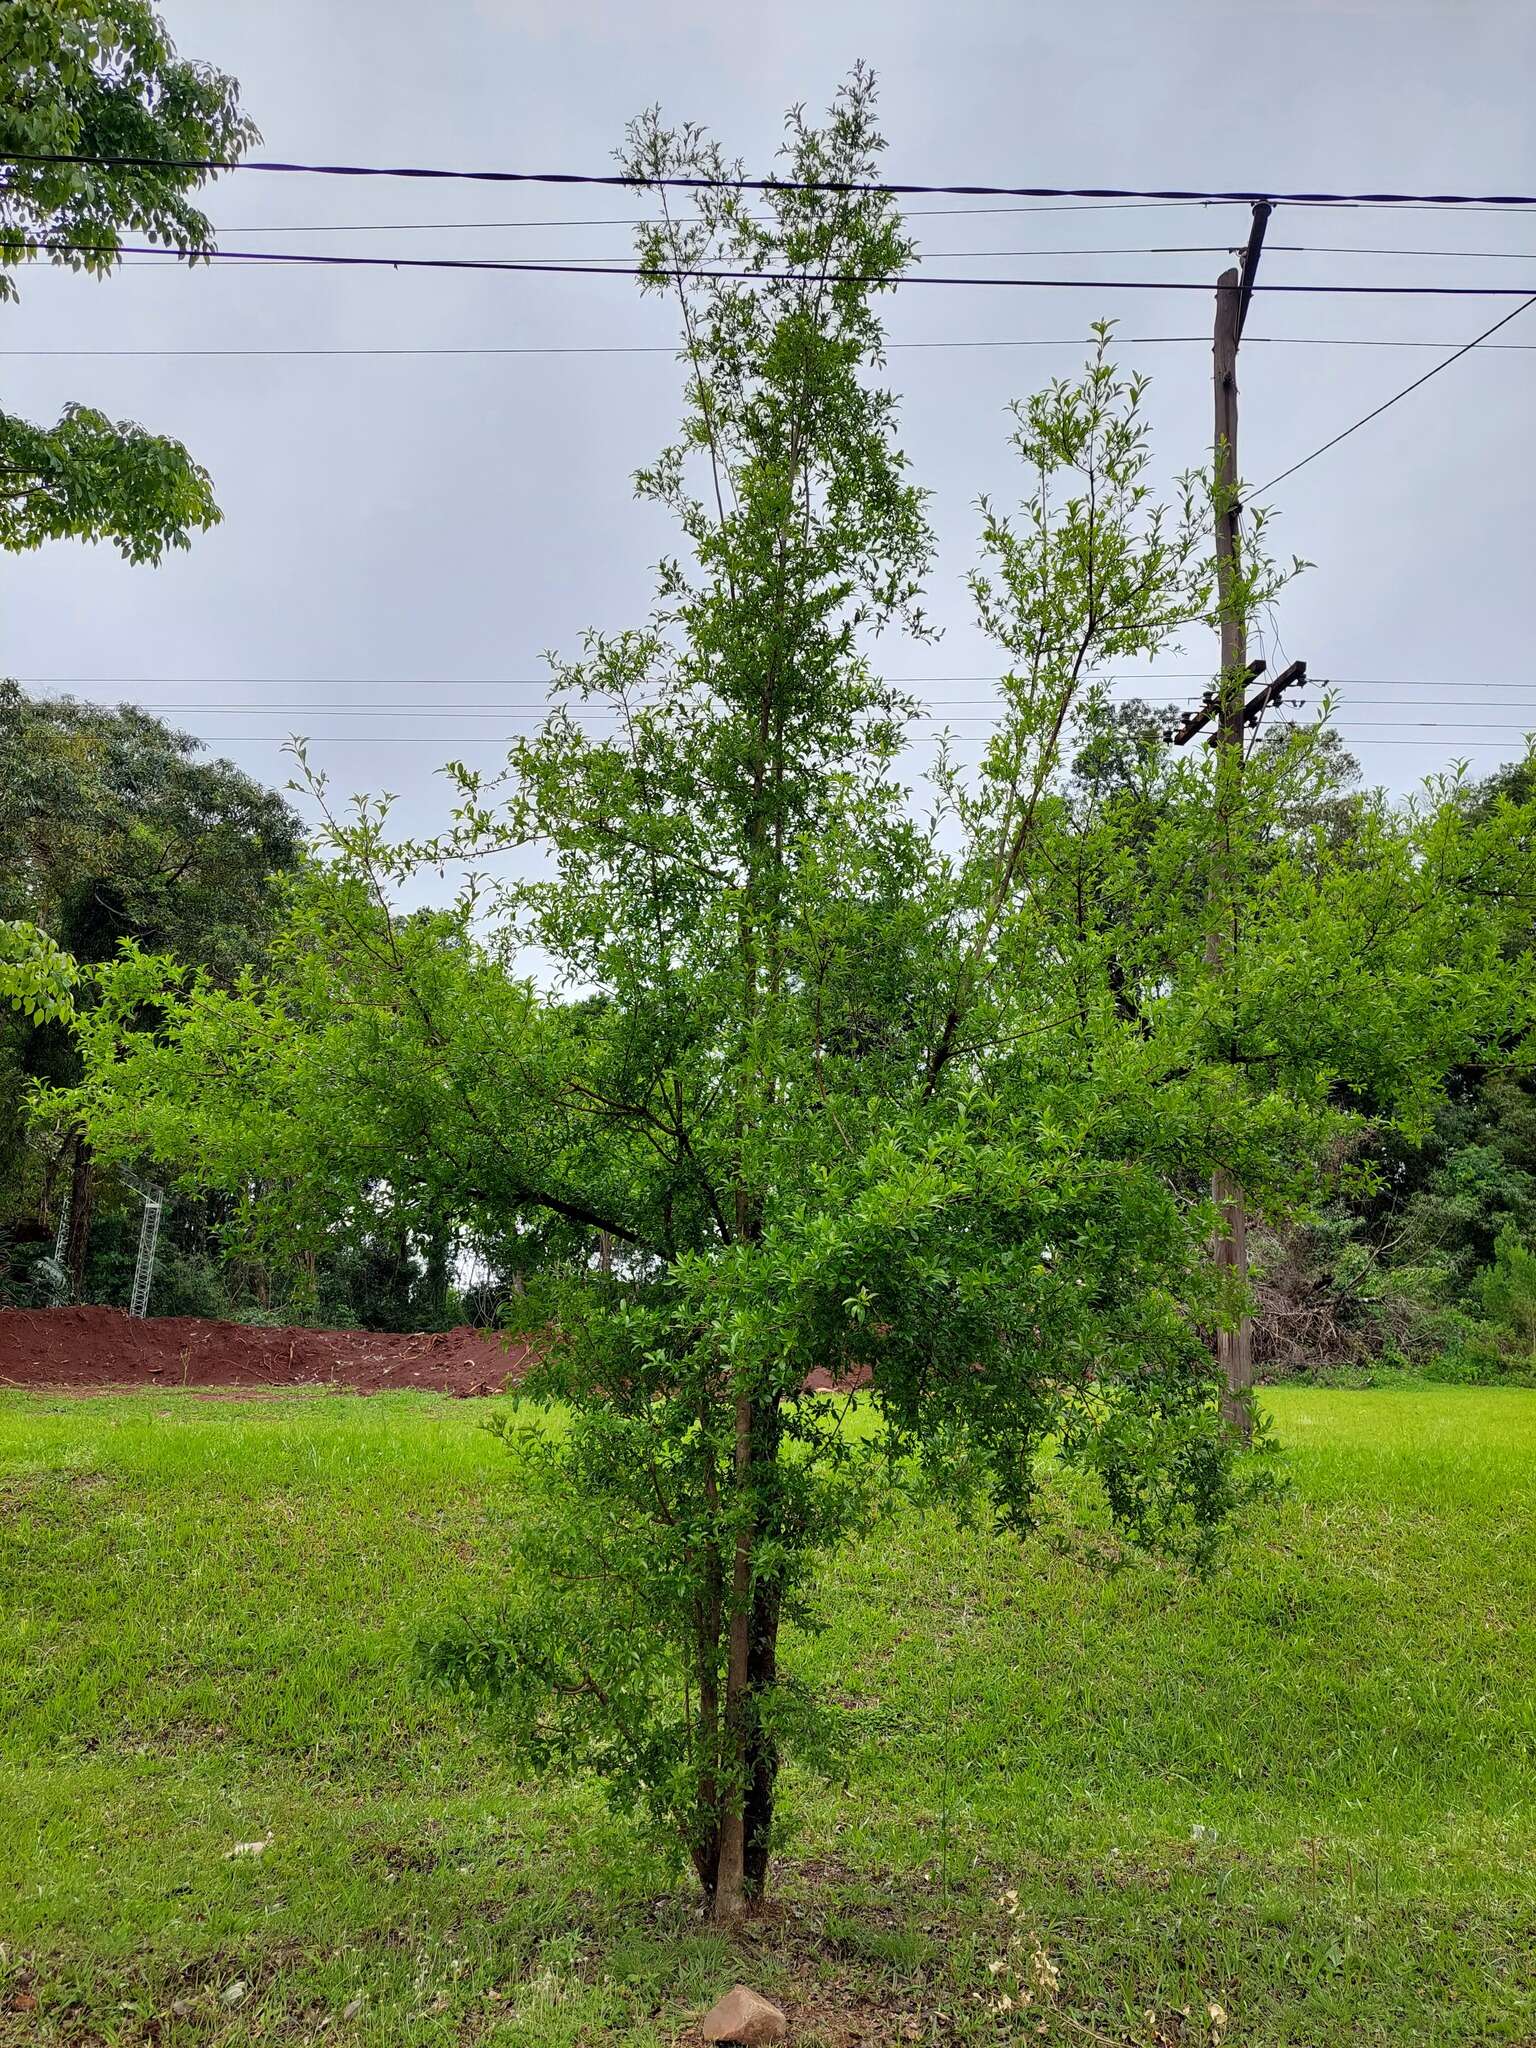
[407,534]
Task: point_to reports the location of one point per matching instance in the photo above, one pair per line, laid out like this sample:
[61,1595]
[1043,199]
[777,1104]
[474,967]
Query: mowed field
[1300,1791]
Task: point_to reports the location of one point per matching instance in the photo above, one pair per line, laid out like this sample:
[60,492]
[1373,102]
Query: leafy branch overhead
[89,478]
[102,79]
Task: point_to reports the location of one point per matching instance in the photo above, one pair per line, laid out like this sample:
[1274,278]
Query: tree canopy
[112,827]
[111,830]
[101,80]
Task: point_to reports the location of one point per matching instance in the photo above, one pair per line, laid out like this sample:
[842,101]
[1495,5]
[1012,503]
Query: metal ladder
[60,1248]
[149,1230]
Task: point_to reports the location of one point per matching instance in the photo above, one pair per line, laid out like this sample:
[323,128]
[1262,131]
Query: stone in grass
[743,2017]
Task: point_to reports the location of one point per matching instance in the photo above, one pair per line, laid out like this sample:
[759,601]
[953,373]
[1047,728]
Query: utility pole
[1229,708]
[1233,1348]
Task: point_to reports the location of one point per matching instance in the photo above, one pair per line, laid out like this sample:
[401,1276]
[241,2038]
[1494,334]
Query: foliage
[1497,1342]
[100,79]
[1508,1290]
[111,827]
[90,478]
[328,1107]
[38,980]
[36,976]
[1386,1269]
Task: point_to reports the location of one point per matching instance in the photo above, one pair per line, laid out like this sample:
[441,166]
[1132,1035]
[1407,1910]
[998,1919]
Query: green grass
[1300,1789]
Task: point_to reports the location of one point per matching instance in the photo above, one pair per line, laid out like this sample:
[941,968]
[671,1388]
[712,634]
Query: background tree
[111,828]
[349,1143]
[100,79]
[1388,1268]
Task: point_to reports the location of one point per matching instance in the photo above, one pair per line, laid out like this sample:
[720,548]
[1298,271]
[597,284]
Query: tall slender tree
[776,1095]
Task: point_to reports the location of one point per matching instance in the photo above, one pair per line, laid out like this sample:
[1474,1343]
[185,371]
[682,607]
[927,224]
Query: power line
[672,350]
[1466,349]
[919,256]
[383,227]
[965,707]
[699,184]
[515,682]
[640,220]
[328,259]
[940,715]
[417,739]
[962,711]
[1373,249]
[1049,249]
[1118,679]
[1121,678]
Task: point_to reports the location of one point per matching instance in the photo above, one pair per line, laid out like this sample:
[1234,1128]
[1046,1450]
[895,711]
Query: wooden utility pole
[1233,1348]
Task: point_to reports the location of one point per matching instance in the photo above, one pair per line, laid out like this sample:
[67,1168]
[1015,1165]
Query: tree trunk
[731,1863]
[81,1192]
[762,1751]
[438,1265]
[1234,1348]
[762,1757]
[705,1845]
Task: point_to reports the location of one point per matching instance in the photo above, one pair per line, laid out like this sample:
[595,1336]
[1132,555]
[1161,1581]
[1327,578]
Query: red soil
[81,1349]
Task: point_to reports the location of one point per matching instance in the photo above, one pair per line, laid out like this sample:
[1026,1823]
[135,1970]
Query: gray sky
[407,534]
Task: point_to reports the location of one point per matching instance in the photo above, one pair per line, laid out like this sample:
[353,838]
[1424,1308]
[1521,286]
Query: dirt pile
[82,1348]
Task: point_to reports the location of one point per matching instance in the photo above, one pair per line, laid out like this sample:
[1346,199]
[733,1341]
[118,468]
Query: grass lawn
[1300,1790]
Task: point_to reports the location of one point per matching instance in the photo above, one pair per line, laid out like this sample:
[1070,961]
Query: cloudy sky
[405,534]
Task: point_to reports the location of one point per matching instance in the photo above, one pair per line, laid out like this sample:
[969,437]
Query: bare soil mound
[84,1348]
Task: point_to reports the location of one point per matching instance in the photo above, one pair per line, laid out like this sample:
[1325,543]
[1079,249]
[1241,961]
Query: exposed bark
[82,1190]
[438,1265]
[705,1847]
[730,1869]
[762,1751]
[1234,1348]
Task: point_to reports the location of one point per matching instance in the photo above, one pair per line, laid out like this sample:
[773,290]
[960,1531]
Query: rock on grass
[744,2017]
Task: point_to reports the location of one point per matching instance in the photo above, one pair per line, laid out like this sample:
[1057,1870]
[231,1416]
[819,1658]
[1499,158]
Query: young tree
[100,80]
[861,1100]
